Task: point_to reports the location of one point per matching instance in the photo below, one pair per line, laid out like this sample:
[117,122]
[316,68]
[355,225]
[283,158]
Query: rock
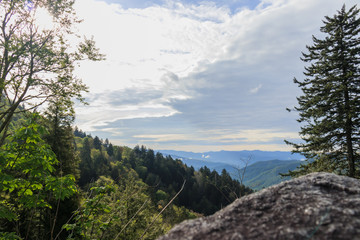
[315,206]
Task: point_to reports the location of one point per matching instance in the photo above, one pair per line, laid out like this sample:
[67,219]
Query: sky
[197,75]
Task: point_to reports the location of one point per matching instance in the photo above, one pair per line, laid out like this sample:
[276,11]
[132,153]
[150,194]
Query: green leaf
[28,192]
[6,213]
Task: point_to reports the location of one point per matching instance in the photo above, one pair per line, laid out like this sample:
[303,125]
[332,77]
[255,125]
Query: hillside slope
[266,173]
[262,171]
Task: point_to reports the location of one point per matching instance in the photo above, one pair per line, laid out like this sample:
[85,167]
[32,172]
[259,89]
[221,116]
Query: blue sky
[197,75]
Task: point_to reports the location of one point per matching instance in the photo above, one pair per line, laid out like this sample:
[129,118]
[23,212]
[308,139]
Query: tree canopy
[329,108]
[37,60]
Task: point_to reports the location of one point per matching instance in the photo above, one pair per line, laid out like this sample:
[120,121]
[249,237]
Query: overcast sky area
[197,75]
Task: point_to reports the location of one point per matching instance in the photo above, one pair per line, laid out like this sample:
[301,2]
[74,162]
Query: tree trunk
[348,133]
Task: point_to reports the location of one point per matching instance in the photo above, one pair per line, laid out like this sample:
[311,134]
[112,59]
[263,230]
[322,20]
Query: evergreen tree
[118,153]
[79,133]
[330,105]
[97,143]
[60,115]
[87,173]
[110,150]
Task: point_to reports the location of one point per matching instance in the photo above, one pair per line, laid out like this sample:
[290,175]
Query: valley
[263,168]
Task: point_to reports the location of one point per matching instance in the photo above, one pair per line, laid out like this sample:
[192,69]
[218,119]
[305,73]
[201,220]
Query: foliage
[37,61]
[113,211]
[79,133]
[330,105]
[87,167]
[27,181]
[165,176]
[130,191]
[59,118]
[205,191]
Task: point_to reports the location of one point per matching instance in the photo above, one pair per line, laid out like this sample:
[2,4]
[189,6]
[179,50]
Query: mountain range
[262,167]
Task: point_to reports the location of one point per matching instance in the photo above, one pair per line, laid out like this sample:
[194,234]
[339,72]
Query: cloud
[256,89]
[201,74]
[154,133]
[162,137]
[260,136]
[253,136]
[130,96]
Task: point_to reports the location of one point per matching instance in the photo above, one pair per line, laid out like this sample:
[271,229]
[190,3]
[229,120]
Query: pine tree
[87,170]
[97,143]
[110,150]
[60,116]
[329,108]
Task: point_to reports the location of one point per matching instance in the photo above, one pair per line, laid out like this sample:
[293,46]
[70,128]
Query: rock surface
[315,206]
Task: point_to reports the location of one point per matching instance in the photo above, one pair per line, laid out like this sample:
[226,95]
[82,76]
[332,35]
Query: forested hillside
[72,185]
[267,173]
[204,192]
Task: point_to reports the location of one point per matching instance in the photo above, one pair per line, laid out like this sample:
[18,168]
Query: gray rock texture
[315,206]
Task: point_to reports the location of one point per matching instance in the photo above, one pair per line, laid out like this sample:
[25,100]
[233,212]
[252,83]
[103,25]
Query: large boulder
[315,206]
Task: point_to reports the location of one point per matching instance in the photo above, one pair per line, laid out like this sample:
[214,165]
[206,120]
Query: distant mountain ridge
[233,158]
[262,170]
[267,173]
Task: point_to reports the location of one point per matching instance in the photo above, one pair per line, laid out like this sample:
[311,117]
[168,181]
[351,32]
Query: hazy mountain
[263,167]
[232,158]
[266,173]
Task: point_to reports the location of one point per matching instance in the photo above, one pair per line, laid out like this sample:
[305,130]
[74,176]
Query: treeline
[50,190]
[205,191]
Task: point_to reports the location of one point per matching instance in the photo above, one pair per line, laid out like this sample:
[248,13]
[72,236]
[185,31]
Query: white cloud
[204,148]
[145,48]
[259,136]
[162,137]
[143,43]
[256,89]
[100,115]
[198,63]
[246,139]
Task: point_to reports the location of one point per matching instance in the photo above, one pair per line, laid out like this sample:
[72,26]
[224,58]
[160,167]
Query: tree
[117,211]
[37,61]
[87,169]
[97,143]
[110,150]
[60,116]
[29,184]
[330,105]
[240,172]
[79,133]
